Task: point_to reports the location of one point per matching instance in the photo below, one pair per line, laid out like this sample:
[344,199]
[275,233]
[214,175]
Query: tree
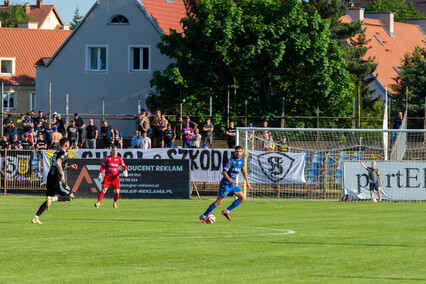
[412,77]
[76,20]
[257,50]
[13,15]
[351,37]
[401,9]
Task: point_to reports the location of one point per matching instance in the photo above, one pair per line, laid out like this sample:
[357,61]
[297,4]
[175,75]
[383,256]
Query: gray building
[109,57]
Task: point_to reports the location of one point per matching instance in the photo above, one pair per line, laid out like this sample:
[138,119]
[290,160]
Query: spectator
[144,141]
[72,135]
[284,145]
[144,124]
[32,115]
[396,124]
[169,136]
[231,132]
[39,128]
[79,123]
[41,145]
[60,124]
[162,126]
[39,118]
[91,135]
[32,136]
[196,138]
[192,124]
[205,146]
[208,132]
[118,139]
[48,135]
[269,144]
[5,144]
[9,126]
[265,123]
[19,125]
[15,143]
[135,140]
[107,135]
[251,137]
[187,133]
[157,129]
[56,137]
[27,123]
[26,145]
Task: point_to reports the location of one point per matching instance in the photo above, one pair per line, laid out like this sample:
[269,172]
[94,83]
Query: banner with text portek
[148,178]
[207,164]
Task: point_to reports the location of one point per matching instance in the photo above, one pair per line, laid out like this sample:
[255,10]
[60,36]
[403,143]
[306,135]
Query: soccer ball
[211,219]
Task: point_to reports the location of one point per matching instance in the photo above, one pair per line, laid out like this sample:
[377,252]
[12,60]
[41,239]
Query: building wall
[51,22]
[120,88]
[22,102]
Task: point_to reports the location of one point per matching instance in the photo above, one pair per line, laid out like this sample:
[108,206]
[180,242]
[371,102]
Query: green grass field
[162,241]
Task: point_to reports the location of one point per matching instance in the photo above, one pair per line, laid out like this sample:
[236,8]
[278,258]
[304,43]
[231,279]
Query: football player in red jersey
[111,165]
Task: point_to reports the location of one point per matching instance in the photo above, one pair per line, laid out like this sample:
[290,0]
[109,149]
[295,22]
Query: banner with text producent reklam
[148,178]
[401,180]
[207,164]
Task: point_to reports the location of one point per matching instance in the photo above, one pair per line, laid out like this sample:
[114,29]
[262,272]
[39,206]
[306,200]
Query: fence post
[5,170]
[282,113]
[2,107]
[245,113]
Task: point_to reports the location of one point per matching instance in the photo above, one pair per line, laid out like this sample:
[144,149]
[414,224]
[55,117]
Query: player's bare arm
[60,170]
[226,176]
[362,164]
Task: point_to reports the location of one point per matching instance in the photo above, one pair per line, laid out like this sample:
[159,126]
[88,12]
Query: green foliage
[413,76]
[359,66]
[401,9]
[259,51]
[13,15]
[76,20]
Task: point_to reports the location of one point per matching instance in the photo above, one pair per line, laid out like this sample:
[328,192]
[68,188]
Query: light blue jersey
[232,168]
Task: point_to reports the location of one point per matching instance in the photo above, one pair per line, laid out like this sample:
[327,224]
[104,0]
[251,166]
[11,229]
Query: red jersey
[111,165]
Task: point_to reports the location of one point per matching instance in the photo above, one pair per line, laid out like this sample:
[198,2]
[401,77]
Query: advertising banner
[207,164]
[148,178]
[402,180]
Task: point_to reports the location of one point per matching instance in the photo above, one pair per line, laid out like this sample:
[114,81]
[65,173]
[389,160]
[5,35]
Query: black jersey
[53,172]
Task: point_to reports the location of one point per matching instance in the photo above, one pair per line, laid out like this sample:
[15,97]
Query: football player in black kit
[56,180]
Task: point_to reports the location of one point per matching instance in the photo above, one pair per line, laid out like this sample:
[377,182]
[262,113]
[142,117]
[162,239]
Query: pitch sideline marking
[281,233]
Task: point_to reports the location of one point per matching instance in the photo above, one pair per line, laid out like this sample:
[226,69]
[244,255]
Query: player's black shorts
[374,186]
[56,187]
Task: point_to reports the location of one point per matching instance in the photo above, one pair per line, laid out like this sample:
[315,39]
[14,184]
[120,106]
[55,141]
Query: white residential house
[110,56]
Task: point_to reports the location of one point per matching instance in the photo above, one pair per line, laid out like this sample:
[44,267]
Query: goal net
[329,159]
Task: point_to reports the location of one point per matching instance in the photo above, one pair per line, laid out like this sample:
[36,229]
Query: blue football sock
[234,204]
[210,209]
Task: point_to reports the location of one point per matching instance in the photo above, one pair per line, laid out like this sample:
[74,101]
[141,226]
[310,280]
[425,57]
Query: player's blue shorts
[374,186]
[225,188]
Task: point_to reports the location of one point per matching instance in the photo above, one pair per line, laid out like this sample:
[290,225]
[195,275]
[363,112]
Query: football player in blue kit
[229,185]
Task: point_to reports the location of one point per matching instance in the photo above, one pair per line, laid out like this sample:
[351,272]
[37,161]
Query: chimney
[27,8]
[6,3]
[39,3]
[385,18]
[65,27]
[356,14]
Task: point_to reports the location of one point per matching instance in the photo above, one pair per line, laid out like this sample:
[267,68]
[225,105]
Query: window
[97,58]
[7,66]
[33,105]
[139,58]
[9,100]
[119,19]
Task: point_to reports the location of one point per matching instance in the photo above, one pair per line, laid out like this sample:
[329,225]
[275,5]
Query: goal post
[310,162]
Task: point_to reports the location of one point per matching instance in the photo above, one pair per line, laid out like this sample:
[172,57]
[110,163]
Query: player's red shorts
[111,180]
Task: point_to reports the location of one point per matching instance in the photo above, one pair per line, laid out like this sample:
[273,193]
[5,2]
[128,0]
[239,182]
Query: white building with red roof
[44,17]
[110,56]
[20,51]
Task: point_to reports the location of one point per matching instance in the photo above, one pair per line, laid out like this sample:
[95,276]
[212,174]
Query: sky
[65,8]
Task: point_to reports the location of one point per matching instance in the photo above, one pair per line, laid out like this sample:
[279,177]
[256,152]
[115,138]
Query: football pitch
[162,241]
